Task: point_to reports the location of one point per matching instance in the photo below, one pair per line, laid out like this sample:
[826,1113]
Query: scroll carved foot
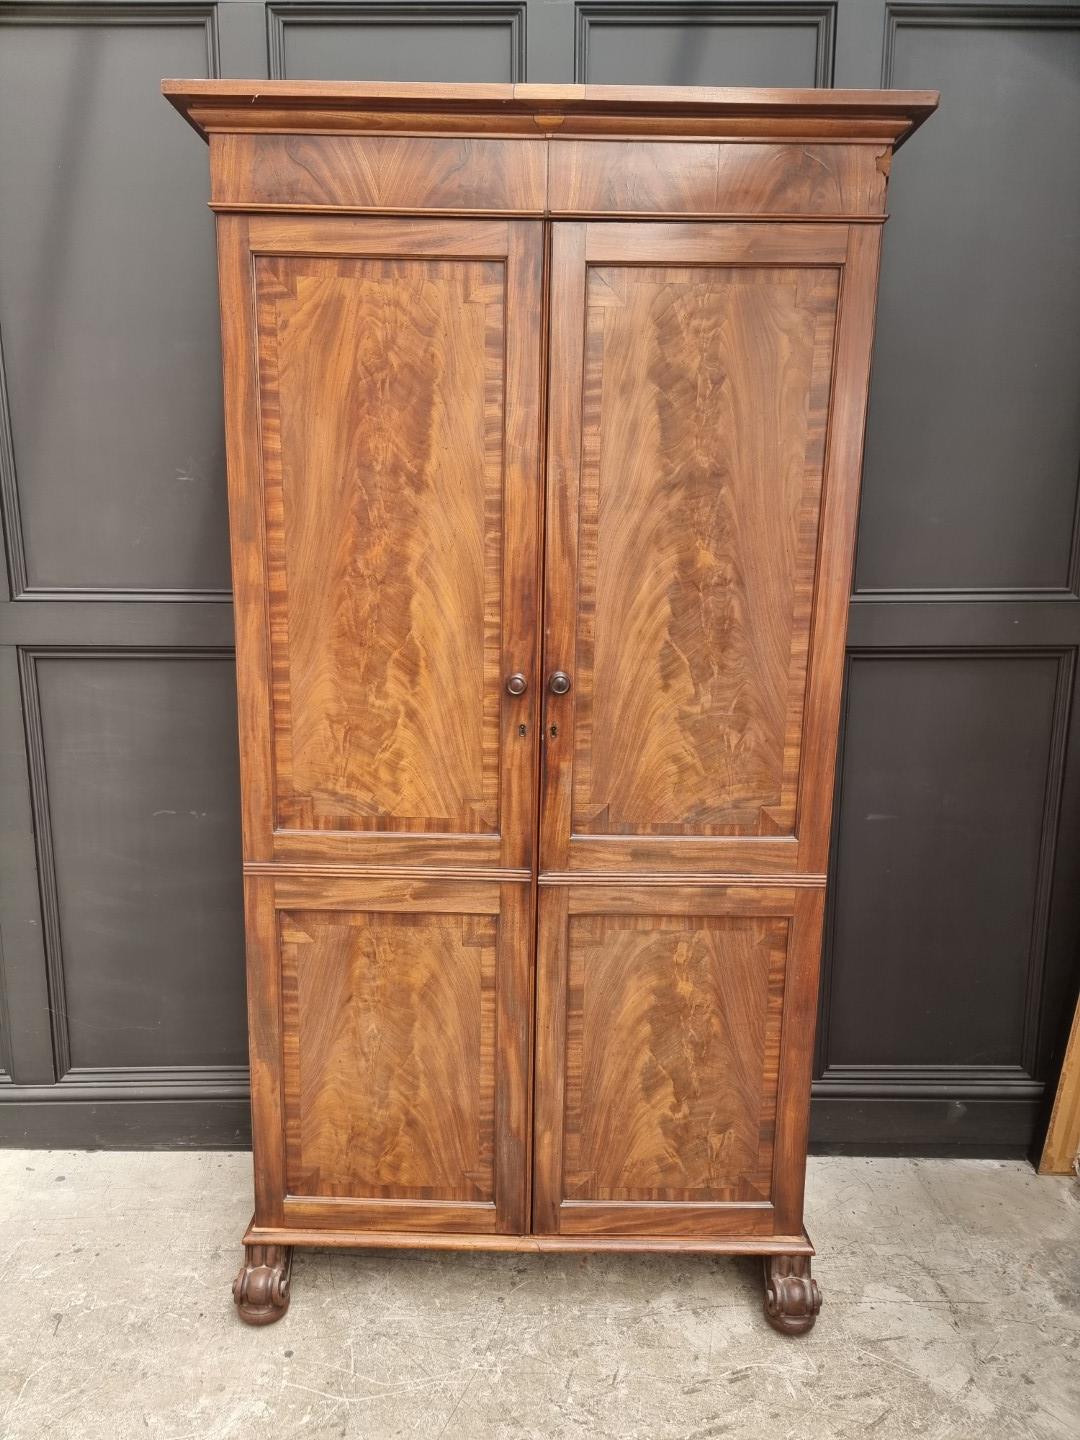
[792,1297]
[261,1290]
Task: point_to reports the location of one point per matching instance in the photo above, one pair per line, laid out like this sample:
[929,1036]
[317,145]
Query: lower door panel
[673,1058]
[402,1013]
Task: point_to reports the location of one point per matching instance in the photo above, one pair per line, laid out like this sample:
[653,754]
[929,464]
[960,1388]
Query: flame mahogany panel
[672,1056]
[398,1009]
[693,374]
[389,1023]
[674,1033]
[397,431]
[705,402]
[381,392]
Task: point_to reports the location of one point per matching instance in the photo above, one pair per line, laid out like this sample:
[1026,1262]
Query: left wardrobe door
[383,411]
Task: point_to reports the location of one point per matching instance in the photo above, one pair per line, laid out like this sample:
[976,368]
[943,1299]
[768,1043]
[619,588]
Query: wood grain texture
[699,507]
[658,1058]
[732,242]
[420,1217]
[672,1054]
[1061,1148]
[840,509]
[376,172]
[701,1221]
[734,898]
[389,894]
[695,178]
[339,235]
[405,1052]
[389,1026]
[796,1058]
[265,1047]
[246,540]
[621,1244]
[791,540]
[322,106]
[704,412]
[384,520]
[401,532]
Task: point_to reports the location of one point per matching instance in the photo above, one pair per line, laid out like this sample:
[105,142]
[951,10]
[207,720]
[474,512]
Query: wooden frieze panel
[696,178]
[381,172]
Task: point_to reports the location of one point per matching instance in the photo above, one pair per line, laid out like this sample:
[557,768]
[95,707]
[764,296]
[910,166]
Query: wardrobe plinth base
[792,1297]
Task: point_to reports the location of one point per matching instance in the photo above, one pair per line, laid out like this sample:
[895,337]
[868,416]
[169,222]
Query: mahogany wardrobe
[545,412]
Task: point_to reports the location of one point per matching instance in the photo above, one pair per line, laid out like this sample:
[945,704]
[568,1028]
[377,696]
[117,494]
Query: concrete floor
[952,1310]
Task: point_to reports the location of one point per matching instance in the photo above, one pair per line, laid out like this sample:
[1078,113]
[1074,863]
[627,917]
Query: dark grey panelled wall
[951,959]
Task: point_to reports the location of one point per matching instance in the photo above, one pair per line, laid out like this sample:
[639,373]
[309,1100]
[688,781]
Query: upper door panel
[687,484]
[398,401]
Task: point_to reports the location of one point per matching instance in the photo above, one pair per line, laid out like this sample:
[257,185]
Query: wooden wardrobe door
[383,390]
[385,492]
[390,1021]
[665,1103]
[707,390]
[707,386]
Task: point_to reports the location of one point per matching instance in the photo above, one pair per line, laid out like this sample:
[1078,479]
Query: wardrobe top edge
[204,103]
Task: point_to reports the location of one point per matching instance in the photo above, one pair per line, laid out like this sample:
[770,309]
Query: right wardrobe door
[707,388]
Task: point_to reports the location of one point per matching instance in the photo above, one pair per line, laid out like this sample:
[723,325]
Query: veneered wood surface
[672,1053]
[624,177]
[796,1057]
[399,1011]
[730,243]
[376,172]
[467,175]
[705,400]
[836,545]
[683,537]
[530,1244]
[695,1221]
[658,1057]
[389,1024]
[323,106]
[400,522]
[383,532]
